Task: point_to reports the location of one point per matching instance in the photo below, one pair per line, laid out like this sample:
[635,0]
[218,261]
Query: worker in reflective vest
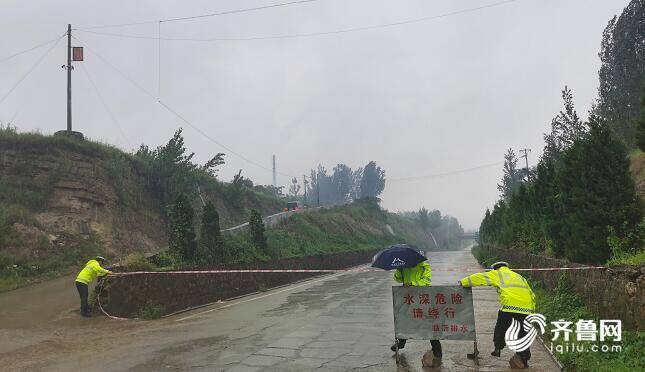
[517,301]
[418,276]
[91,270]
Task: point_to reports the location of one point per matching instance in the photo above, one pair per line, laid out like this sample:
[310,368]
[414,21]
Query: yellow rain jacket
[514,291]
[417,276]
[91,270]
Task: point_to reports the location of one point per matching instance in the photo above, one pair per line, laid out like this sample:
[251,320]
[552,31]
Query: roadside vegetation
[362,225]
[583,200]
[563,303]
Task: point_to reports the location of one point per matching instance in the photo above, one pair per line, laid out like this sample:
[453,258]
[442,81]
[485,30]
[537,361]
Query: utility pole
[69,79]
[318,188]
[275,183]
[304,182]
[526,159]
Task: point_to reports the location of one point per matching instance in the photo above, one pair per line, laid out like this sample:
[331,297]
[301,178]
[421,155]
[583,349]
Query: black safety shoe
[496,353]
[401,346]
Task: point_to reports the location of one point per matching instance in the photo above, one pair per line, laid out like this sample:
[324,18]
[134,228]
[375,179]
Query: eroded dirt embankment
[126,296]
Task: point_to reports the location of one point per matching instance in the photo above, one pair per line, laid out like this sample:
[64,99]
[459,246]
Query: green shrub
[138,262]
[150,311]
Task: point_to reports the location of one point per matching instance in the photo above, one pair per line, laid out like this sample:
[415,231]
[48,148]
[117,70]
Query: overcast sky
[422,98]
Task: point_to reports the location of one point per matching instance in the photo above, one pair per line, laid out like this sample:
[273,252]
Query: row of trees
[208,248]
[579,202]
[446,229]
[342,185]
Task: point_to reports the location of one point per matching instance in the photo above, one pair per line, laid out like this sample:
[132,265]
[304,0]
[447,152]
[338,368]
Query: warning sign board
[434,313]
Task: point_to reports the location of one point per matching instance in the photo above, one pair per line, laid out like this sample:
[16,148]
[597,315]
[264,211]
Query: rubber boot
[401,345]
[516,362]
[430,360]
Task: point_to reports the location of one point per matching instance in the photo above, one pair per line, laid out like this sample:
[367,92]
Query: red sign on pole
[77,53]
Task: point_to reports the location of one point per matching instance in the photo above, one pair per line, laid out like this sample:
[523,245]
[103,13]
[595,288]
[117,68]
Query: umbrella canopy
[398,256]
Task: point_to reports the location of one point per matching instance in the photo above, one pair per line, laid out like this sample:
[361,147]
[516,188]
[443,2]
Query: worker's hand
[459,283]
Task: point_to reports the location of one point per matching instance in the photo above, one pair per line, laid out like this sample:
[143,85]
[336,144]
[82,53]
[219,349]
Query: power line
[31,69]
[310,34]
[238,11]
[175,113]
[105,106]
[28,50]
[227,12]
[437,175]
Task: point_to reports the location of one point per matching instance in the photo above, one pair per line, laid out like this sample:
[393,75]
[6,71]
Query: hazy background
[419,99]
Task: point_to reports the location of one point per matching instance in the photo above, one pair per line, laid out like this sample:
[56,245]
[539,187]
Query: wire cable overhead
[308,34]
[31,69]
[215,14]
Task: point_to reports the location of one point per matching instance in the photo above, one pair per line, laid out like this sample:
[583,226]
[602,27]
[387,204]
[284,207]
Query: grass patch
[632,259]
[150,311]
[564,303]
[138,262]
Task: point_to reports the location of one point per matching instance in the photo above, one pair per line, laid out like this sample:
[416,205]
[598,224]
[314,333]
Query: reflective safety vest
[417,276]
[91,270]
[514,291]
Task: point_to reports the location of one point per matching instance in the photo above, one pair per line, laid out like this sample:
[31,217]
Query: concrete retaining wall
[124,296]
[614,293]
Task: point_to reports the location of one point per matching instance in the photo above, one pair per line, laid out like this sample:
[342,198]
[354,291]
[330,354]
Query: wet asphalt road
[333,323]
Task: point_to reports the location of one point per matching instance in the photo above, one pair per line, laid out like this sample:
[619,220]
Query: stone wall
[124,296]
[613,293]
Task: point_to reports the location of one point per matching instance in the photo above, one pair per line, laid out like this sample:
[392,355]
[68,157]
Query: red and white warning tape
[197,272]
[562,268]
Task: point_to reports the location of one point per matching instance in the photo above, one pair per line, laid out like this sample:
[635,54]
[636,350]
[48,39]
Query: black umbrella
[398,256]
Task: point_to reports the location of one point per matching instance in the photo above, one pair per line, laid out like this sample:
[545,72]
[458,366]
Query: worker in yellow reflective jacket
[517,301]
[91,270]
[418,276]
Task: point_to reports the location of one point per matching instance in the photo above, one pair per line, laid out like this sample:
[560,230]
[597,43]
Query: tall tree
[424,219]
[598,194]
[211,244]
[640,124]
[294,189]
[373,181]
[512,178]
[170,169]
[566,127]
[622,72]
[181,242]
[212,166]
[342,184]
[257,230]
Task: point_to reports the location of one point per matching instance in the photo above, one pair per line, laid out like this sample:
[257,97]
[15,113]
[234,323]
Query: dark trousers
[82,292]
[436,346]
[504,321]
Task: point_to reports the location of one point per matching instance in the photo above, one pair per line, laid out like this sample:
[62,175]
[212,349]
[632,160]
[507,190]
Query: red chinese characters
[440,299]
[456,298]
[409,299]
[424,299]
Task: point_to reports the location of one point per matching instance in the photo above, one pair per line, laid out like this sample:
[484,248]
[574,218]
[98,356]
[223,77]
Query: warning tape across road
[196,272]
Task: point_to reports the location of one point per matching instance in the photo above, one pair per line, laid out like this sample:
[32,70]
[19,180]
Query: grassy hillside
[64,200]
[362,225]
